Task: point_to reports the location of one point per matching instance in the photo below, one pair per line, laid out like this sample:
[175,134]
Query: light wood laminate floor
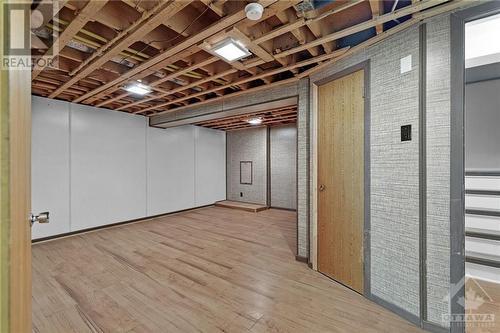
[207,270]
[483,298]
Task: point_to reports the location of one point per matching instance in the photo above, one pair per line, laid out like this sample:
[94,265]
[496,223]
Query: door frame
[15,189]
[457,153]
[365,66]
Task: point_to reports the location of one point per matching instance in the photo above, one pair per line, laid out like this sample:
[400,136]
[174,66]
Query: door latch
[40,218]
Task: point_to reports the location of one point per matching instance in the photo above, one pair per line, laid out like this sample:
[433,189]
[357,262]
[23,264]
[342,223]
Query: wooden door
[15,193]
[341,179]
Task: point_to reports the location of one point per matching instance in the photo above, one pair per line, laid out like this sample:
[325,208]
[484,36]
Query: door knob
[322,188]
[40,218]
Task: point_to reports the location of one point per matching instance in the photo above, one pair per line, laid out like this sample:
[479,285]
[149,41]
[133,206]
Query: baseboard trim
[302,259]
[283,208]
[435,328]
[414,319]
[142,219]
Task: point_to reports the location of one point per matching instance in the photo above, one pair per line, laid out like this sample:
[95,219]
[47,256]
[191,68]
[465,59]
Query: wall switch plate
[406,133]
[406,64]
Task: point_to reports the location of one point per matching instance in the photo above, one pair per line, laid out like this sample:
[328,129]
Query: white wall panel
[170,169]
[93,167]
[108,173]
[210,166]
[50,165]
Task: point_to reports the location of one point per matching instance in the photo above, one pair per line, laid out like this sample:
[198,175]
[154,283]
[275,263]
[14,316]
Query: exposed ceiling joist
[87,14]
[168,46]
[162,59]
[139,29]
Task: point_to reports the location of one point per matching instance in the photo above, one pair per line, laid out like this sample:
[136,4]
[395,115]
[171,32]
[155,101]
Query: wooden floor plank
[207,270]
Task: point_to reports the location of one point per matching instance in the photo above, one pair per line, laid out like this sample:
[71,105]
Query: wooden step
[483,259]
[482,233]
[246,206]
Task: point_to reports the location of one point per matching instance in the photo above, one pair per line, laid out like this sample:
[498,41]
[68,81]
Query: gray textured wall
[394,168]
[303,169]
[283,162]
[482,122]
[247,145]
[438,110]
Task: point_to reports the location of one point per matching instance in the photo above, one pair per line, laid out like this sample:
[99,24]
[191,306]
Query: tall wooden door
[341,179]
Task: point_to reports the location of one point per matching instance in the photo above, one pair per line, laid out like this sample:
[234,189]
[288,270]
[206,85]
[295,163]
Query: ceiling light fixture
[230,50]
[138,88]
[254,11]
[255,121]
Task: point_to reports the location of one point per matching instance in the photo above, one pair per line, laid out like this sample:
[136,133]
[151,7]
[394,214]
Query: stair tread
[482,211]
[483,192]
[483,233]
[492,257]
[490,260]
[482,173]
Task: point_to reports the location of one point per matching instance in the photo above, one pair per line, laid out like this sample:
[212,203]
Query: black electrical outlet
[406,133]
[241,194]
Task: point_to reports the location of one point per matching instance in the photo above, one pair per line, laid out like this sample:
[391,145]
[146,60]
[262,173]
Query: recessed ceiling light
[255,121]
[138,88]
[230,50]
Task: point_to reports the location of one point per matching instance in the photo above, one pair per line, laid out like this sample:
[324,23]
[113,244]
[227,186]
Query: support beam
[377,8]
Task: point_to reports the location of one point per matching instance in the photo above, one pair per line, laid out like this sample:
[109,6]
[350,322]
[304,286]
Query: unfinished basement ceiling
[275,117]
[105,46]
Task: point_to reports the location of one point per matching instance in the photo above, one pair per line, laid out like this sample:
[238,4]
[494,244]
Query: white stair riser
[482,222]
[482,183]
[482,272]
[483,246]
[482,201]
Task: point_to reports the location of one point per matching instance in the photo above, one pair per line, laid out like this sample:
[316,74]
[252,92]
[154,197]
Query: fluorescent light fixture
[230,50]
[255,121]
[138,88]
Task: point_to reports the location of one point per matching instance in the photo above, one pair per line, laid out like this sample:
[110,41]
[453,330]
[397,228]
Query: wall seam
[146,167]
[423,170]
[70,120]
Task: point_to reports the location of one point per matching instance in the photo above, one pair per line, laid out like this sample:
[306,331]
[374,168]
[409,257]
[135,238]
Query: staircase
[482,225]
